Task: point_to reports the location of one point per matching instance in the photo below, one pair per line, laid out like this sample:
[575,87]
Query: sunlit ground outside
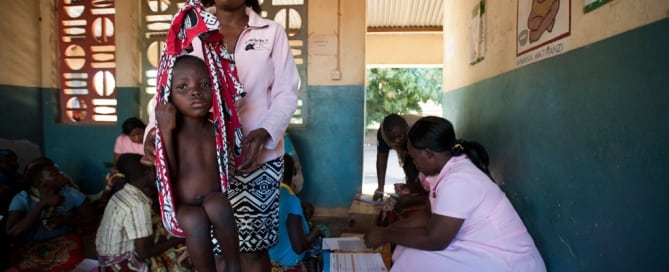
[394,173]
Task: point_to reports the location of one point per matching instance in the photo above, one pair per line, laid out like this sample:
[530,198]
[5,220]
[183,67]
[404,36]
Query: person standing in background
[267,70]
[410,195]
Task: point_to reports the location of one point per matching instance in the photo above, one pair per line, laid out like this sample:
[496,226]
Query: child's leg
[219,210]
[195,223]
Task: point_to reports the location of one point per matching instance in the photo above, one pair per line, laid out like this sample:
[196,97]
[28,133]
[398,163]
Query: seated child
[202,207]
[124,238]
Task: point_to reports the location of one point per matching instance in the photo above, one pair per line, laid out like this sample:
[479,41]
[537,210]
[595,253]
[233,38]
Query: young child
[131,139]
[295,237]
[190,147]
[124,238]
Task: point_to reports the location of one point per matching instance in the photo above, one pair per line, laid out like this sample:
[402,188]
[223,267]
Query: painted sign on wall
[542,26]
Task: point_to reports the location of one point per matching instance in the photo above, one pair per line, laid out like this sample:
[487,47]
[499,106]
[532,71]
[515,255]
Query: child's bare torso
[198,167]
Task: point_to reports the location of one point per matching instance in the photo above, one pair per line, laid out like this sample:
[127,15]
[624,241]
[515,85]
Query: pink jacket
[266,68]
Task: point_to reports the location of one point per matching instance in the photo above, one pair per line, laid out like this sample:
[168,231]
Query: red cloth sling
[190,22]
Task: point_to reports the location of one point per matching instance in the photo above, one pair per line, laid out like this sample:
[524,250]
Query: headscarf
[190,22]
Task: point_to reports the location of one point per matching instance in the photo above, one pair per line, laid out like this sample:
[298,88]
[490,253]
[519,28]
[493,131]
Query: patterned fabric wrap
[190,22]
[59,254]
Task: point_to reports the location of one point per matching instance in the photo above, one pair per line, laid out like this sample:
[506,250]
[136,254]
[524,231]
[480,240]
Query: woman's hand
[166,117]
[402,189]
[252,144]
[378,194]
[375,238]
[149,157]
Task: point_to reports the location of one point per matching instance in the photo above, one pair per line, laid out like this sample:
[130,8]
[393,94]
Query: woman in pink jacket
[472,225]
[267,71]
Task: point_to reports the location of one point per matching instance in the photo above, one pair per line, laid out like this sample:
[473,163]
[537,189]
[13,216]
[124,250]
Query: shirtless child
[190,145]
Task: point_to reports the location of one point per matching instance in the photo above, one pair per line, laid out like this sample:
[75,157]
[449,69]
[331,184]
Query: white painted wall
[610,19]
[336,44]
[404,48]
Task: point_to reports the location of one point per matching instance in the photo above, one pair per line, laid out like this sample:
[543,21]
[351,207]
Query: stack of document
[349,254]
[345,244]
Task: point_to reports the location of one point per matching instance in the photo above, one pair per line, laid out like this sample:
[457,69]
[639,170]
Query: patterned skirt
[255,201]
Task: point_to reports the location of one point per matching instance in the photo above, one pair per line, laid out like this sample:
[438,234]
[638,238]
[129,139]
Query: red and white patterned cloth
[191,22]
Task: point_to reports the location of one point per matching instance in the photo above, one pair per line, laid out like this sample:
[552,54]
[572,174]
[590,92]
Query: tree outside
[401,91]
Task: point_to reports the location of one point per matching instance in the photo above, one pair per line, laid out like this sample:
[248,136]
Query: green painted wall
[330,146]
[21,111]
[579,142]
[81,150]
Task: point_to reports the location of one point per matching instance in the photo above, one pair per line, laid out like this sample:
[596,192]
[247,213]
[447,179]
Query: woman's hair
[254,4]
[34,173]
[38,160]
[132,123]
[438,135]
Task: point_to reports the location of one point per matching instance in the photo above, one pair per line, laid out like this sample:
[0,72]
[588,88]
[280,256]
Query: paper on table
[344,244]
[351,262]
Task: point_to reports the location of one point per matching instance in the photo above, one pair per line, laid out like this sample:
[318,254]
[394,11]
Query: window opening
[87,62]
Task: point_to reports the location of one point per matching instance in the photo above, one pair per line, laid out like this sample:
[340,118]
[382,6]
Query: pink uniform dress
[124,145]
[492,237]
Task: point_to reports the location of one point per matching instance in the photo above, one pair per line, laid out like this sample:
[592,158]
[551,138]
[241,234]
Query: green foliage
[400,90]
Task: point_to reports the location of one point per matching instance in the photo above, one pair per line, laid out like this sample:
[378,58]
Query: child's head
[134,128]
[288,169]
[136,173]
[191,90]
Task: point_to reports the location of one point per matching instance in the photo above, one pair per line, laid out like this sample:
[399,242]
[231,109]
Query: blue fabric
[22,202]
[282,253]
[288,147]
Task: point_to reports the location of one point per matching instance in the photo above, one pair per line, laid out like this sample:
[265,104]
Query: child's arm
[166,121]
[298,239]
[145,247]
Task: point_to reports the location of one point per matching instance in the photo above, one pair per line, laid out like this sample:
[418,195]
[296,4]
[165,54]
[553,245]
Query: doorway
[402,90]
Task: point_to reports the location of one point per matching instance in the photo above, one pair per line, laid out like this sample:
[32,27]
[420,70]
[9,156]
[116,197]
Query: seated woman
[42,218]
[131,139]
[472,225]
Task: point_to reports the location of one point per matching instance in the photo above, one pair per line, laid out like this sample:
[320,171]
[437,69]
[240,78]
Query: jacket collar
[255,20]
